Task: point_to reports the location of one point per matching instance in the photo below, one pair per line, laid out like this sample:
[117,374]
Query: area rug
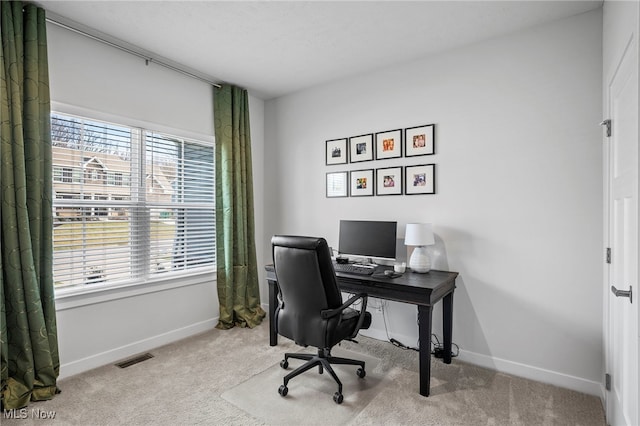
[310,397]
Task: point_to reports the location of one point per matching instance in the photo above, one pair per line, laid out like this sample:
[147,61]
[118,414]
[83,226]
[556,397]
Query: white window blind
[129,204]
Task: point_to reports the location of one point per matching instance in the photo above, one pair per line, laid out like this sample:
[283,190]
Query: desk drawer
[388,291]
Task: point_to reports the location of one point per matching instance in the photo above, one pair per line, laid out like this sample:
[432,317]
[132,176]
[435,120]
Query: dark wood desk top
[410,287]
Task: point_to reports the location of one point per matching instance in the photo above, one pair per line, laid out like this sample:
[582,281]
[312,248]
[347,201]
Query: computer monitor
[367,238]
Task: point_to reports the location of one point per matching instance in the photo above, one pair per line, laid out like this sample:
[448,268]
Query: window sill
[78,297]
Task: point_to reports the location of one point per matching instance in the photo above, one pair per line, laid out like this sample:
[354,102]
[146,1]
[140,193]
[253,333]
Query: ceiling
[275,48]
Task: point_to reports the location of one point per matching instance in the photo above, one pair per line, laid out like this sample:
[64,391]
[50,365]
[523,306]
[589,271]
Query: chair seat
[347,325]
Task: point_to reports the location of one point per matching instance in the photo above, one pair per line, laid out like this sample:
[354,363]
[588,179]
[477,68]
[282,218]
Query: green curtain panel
[30,361]
[237,269]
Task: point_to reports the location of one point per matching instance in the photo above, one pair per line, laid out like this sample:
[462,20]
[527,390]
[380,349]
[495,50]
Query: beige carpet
[187,383]
[313,390]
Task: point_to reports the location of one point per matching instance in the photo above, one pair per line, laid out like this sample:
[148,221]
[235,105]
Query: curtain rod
[132,52]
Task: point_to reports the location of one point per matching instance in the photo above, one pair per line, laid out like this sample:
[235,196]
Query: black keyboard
[352,268]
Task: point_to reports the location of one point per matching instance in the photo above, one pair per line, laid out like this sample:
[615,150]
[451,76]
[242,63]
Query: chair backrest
[308,285]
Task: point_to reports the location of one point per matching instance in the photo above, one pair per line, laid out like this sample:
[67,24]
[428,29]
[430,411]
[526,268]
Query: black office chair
[310,310]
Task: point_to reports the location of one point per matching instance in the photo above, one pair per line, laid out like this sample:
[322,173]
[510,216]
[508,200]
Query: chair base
[323,360]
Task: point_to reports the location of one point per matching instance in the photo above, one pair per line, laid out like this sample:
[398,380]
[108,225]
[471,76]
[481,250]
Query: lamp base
[420,261]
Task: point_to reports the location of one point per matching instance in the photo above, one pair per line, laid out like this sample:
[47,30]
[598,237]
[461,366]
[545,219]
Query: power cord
[437,348]
[393,341]
[400,345]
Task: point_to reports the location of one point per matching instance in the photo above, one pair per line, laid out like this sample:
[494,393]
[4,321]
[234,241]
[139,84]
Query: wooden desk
[423,290]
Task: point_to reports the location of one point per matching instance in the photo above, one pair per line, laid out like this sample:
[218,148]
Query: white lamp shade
[419,234]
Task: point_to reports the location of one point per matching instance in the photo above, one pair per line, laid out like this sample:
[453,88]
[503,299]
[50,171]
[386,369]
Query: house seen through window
[129,203]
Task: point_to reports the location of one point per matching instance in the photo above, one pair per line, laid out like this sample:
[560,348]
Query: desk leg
[273,294]
[447,326]
[424,334]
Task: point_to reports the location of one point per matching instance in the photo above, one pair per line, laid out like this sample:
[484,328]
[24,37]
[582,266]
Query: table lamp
[419,235]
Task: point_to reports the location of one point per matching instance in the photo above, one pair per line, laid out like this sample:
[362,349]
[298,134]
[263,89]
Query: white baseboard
[374,334]
[98,360]
[534,373]
[509,367]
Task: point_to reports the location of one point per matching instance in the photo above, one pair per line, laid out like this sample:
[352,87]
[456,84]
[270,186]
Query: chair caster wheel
[361,373]
[284,364]
[338,398]
[283,391]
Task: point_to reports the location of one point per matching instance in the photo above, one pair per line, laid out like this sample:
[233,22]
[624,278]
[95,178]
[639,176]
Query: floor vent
[135,360]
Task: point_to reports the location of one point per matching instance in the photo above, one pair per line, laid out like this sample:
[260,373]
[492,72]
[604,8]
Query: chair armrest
[328,313]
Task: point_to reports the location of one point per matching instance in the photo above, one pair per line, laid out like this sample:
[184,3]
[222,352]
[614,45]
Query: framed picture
[420,179]
[337,185]
[389,181]
[361,183]
[389,144]
[419,140]
[361,148]
[336,151]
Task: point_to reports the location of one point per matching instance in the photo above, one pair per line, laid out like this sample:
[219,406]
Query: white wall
[90,78]
[518,207]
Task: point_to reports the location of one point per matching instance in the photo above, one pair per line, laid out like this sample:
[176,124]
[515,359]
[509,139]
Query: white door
[623,335]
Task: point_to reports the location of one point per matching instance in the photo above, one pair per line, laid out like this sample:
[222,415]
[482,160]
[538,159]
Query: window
[67,174]
[129,204]
[114,178]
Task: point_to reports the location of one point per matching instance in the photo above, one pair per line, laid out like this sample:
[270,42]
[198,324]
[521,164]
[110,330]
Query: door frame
[633,41]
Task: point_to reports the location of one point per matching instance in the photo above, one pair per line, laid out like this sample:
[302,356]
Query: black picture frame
[419,140]
[389,181]
[361,183]
[420,179]
[389,144]
[361,148]
[336,151]
[337,184]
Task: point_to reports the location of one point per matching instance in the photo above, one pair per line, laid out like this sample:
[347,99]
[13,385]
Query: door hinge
[607,381]
[608,254]
[607,123]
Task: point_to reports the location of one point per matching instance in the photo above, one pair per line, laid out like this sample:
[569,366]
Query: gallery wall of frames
[377,147]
